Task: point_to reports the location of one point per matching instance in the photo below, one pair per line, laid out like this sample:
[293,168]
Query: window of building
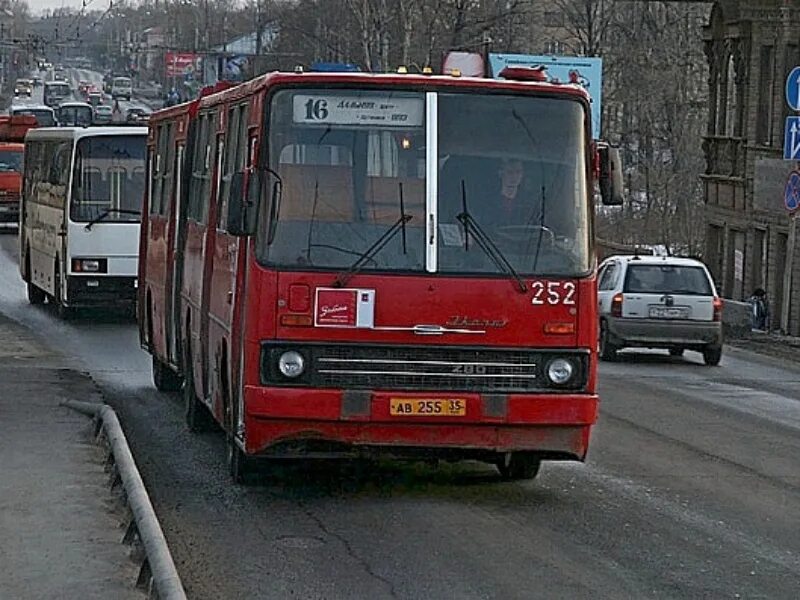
[553,18]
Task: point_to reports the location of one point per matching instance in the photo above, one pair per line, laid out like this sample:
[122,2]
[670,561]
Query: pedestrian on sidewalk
[759,311]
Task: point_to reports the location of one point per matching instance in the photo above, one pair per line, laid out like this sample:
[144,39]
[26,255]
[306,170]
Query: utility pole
[791,244]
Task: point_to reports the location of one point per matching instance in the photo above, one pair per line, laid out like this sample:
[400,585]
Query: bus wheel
[164,378]
[198,419]
[515,466]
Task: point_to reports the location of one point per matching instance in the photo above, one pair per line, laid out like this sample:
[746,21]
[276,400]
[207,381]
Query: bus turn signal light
[296,320]
[559,328]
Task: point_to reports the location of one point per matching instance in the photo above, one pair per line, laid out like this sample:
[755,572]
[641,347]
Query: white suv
[658,302]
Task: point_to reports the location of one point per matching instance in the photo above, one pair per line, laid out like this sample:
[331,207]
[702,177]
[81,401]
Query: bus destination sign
[351,110]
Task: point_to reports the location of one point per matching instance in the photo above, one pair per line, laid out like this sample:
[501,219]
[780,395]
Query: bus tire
[198,419]
[35,295]
[164,378]
[517,466]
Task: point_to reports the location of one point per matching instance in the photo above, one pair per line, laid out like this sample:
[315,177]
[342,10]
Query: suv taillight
[616,305]
[717,309]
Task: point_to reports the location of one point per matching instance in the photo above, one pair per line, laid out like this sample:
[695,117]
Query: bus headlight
[560,371]
[291,364]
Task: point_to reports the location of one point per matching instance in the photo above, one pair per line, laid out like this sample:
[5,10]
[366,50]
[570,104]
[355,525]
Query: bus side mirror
[611,188]
[241,207]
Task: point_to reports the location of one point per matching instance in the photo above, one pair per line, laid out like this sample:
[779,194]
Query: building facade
[751,46]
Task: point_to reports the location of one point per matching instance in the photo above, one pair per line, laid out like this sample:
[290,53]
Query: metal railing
[158,576]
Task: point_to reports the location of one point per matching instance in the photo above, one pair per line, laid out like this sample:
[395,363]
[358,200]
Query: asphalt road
[77,75]
[692,490]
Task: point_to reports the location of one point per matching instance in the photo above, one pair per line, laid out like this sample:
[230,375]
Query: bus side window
[155,168]
[202,166]
[234,159]
[167,168]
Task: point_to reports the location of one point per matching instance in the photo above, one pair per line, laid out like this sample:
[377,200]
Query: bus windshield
[10,161]
[108,176]
[354,164]
[75,115]
[44,117]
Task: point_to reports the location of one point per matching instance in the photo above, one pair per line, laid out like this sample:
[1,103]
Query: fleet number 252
[553,292]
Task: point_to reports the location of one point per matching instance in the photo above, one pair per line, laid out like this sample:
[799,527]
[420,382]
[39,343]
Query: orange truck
[12,136]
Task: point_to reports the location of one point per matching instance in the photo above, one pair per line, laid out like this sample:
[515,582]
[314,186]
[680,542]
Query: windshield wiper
[368,254]
[108,211]
[486,243]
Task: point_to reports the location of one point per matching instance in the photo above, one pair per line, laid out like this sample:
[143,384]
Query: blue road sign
[791,196]
[793,89]
[791,139]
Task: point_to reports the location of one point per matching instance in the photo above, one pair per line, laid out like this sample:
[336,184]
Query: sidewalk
[59,534]
[785,347]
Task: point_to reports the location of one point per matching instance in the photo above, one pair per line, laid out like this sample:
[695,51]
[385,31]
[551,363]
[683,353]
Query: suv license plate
[668,312]
[427,407]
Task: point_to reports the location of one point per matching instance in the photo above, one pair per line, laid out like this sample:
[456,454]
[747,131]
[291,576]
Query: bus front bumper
[554,425]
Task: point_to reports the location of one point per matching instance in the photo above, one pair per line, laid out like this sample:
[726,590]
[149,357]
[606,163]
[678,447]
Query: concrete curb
[158,574]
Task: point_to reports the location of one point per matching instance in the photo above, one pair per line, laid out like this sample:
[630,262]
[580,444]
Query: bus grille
[461,369]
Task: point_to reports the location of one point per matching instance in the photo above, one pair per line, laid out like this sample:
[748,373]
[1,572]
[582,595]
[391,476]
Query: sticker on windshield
[384,111]
[451,234]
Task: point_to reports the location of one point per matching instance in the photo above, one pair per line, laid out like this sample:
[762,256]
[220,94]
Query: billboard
[587,71]
[181,64]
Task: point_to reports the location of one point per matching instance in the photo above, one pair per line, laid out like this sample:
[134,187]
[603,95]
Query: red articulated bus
[336,263]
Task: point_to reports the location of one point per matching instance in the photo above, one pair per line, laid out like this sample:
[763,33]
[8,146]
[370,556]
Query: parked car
[659,302]
[103,114]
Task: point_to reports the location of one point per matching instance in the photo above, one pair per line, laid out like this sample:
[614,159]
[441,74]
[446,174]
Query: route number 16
[316,110]
[553,293]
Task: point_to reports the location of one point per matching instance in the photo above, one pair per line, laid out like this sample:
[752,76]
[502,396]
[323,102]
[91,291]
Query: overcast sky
[38,6]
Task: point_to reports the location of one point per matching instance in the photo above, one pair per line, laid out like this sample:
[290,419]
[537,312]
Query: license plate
[668,312]
[427,407]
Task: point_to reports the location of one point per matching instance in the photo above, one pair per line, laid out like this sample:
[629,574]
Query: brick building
[751,46]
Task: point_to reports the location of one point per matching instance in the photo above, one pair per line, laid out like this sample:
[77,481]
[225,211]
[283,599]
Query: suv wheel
[712,355]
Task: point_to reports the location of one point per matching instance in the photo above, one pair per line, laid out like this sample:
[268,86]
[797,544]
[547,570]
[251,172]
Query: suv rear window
[667,279]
